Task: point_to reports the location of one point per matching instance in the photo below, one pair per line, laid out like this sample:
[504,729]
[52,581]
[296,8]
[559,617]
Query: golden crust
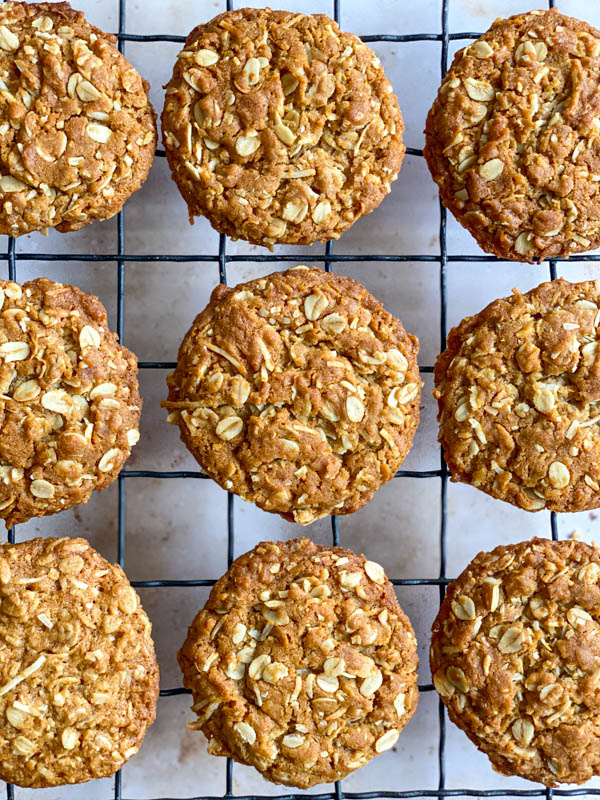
[77,131]
[302,663]
[513,138]
[518,387]
[298,392]
[78,674]
[279,127]
[69,399]
[514,657]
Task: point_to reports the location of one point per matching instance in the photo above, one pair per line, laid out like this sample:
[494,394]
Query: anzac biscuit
[78,674]
[518,390]
[279,127]
[69,400]
[302,664]
[515,655]
[78,132]
[513,138]
[298,392]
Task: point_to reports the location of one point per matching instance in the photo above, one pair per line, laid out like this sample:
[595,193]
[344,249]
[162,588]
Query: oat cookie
[69,400]
[513,138]
[518,388]
[298,392]
[279,127]
[302,664]
[77,131]
[514,656]
[78,674]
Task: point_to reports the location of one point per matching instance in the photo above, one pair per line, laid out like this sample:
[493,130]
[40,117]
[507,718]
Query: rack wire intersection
[328,259]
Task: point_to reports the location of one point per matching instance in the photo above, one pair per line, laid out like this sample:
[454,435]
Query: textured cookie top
[518,389]
[69,400]
[78,674]
[513,137]
[77,132]
[298,392]
[302,664]
[515,654]
[279,127]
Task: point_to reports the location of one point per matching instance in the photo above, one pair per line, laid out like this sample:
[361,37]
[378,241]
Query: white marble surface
[176,529]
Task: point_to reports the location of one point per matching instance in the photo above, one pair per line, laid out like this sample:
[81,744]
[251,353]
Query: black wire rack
[328,259]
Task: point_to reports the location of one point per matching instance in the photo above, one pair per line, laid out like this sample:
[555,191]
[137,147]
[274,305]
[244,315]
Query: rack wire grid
[328,259]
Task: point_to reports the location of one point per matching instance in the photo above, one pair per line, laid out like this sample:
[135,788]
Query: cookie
[78,132]
[302,664]
[78,674]
[518,388]
[69,400]
[298,392]
[513,138]
[514,657]
[279,127]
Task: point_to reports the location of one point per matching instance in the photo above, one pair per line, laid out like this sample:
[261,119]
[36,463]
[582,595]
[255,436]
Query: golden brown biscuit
[77,131]
[69,400]
[299,392]
[78,674]
[302,664]
[513,138]
[514,656]
[518,388]
[279,127]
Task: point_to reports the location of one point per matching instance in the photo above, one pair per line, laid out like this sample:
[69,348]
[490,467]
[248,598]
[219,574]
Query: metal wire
[329,260]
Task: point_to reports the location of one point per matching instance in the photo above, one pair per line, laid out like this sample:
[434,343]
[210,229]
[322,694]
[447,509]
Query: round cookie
[78,132]
[513,138]
[78,674]
[279,127]
[298,392]
[514,656]
[302,664]
[518,387]
[69,400]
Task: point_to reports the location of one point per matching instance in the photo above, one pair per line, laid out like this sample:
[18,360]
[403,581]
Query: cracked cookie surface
[298,391]
[302,664]
[78,673]
[69,400]
[513,138]
[77,131]
[279,127]
[515,657]
[518,389]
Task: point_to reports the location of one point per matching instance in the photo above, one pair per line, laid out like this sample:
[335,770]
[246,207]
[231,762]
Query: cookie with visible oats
[77,131]
[514,656]
[279,127]
[513,138]
[518,389]
[78,674]
[302,664]
[299,392]
[69,400]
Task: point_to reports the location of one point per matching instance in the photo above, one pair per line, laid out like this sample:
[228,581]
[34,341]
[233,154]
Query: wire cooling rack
[328,259]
